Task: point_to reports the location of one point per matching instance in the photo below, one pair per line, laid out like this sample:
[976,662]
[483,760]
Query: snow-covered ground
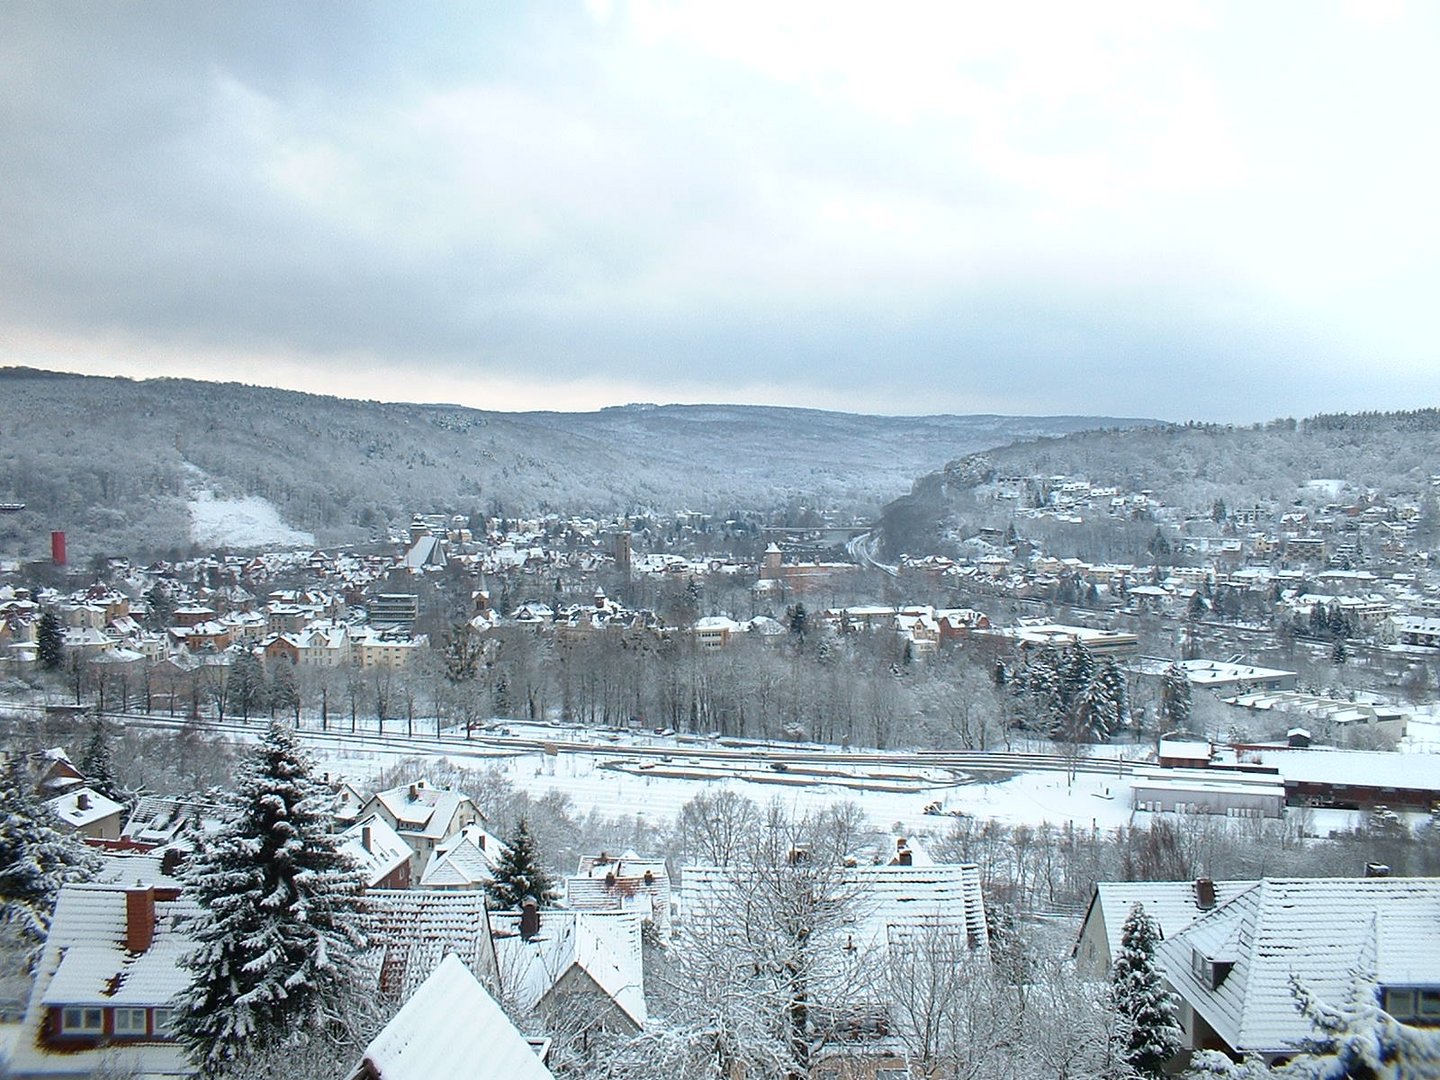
[1025,798]
[241,523]
[1422,730]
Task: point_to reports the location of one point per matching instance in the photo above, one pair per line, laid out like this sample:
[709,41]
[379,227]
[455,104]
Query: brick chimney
[82,800]
[529,919]
[1204,893]
[139,918]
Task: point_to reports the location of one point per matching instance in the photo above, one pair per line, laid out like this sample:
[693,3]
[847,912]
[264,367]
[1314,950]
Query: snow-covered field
[241,523]
[1026,798]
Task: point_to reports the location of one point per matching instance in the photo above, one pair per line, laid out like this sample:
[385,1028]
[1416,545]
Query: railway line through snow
[653,775]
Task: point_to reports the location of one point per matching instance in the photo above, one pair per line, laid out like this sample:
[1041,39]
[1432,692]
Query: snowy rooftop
[81,806]
[1366,768]
[1321,931]
[464,862]
[445,1030]
[421,809]
[604,944]
[415,929]
[375,847]
[85,962]
[1173,905]
[883,897]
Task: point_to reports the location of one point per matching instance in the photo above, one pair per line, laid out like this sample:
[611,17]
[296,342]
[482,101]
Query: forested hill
[1191,467]
[115,461]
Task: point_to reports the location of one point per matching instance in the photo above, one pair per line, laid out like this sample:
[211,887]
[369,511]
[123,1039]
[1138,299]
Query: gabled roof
[375,847]
[1173,905]
[1323,931]
[414,929]
[97,807]
[603,944]
[607,884]
[85,962]
[428,814]
[159,819]
[447,1028]
[884,899]
[465,862]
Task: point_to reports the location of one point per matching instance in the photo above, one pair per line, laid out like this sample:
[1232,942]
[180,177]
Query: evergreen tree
[1096,711]
[1117,691]
[799,621]
[35,857]
[1045,689]
[1175,699]
[1159,548]
[1339,654]
[50,642]
[1076,674]
[279,929]
[518,873]
[246,683]
[1150,1034]
[97,766]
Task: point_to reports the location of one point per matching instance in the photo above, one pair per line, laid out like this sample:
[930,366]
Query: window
[1413,1004]
[78,1021]
[164,1019]
[1400,1003]
[1200,967]
[130,1022]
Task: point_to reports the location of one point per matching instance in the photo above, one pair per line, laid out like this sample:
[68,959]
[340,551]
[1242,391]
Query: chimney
[903,857]
[139,918]
[82,800]
[414,792]
[529,919]
[649,877]
[365,837]
[609,881]
[1204,893]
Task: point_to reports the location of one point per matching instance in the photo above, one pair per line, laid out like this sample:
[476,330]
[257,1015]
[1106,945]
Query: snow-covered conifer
[36,859]
[97,766]
[1175,698]
[50,642]
[277,940]
[1150,1034]
[518,873]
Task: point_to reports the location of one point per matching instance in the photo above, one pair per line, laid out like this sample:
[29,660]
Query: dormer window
[1207,972]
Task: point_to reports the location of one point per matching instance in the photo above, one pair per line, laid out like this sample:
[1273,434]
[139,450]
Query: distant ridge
[1193,469]
[115,461]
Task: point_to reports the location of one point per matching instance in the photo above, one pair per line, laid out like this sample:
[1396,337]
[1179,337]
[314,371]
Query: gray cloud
[1100,219]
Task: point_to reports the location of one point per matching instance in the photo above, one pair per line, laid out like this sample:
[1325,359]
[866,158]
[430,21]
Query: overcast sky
[1215,211]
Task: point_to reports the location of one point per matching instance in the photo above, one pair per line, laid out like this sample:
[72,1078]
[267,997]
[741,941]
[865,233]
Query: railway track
[489,745]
